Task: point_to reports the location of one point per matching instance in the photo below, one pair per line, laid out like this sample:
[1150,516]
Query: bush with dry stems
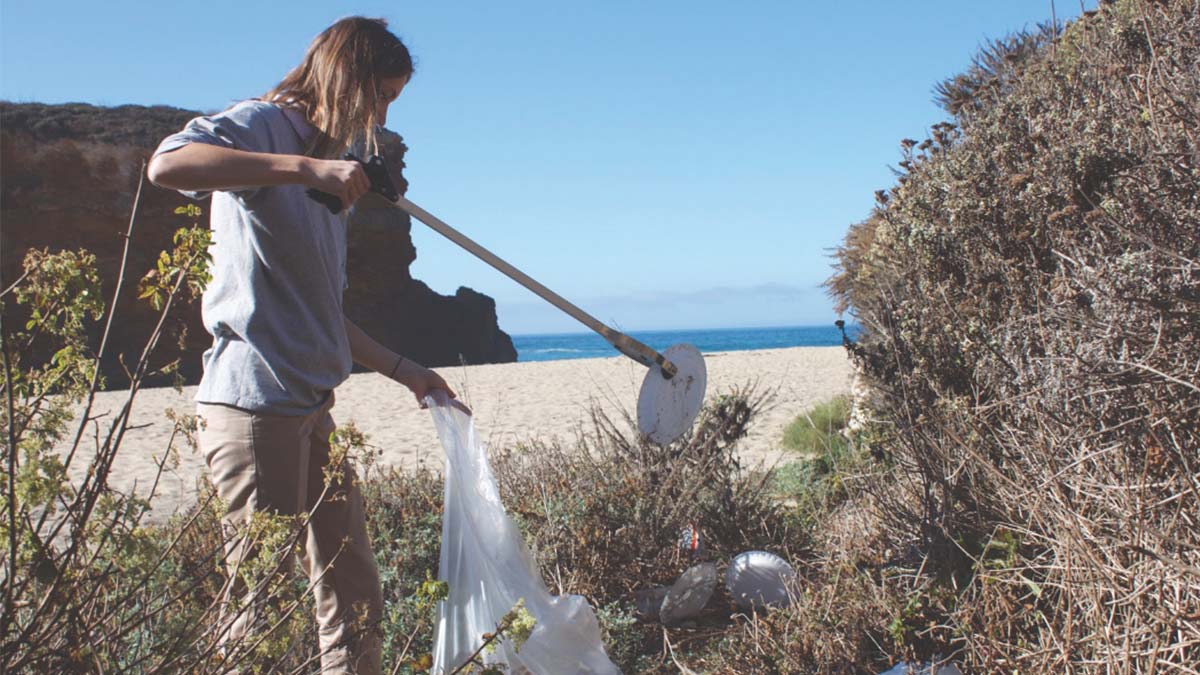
[1030,297]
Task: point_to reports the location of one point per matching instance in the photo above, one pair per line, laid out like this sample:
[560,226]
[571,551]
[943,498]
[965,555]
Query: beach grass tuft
[818,431]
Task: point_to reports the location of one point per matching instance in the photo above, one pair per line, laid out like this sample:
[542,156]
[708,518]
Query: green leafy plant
[818,431]
[86,585]
[189,261]
[515,626]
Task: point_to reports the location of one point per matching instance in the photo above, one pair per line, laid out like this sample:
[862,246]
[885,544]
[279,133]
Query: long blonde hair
[337,83]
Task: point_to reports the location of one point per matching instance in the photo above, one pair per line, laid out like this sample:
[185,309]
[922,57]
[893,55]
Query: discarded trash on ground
[690,542]
[688,595]
[757,579]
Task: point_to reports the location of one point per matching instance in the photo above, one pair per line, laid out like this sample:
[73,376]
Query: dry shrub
[404,521]
[610,509]
[605,515]
[1030,296]
[837,621]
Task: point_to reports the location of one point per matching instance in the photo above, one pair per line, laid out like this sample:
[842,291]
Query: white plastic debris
[688,595]
[489,569]
[758,579]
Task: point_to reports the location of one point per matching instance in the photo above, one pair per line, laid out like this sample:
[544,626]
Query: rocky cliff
[398,310]
[68,175]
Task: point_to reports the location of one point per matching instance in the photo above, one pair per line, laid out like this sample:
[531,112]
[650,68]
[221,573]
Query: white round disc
[667,408]
[758,579]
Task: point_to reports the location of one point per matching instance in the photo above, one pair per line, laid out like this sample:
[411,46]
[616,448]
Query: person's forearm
[199,166]
[366,351]
[419,379]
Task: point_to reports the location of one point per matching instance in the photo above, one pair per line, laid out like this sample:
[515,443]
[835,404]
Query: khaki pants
[276,464]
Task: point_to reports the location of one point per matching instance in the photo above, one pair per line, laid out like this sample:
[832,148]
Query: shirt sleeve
[245,126]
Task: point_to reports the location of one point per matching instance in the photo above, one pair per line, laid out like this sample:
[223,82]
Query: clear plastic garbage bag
[489,569]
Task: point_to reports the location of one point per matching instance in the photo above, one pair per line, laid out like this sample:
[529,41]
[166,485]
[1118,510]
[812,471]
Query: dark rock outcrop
[387,303]
[68,174]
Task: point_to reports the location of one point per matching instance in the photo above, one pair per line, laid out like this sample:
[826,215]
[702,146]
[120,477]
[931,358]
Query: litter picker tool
[672,391]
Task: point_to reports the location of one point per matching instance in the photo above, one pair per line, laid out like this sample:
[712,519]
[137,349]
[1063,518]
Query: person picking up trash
[281,342]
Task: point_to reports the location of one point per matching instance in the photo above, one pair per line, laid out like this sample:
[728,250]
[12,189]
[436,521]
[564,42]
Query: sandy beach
[512,402]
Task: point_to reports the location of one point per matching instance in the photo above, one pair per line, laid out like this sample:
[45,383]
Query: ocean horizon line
[557,346]
[655,331]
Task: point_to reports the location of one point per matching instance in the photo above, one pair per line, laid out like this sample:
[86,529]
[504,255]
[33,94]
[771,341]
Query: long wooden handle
[624,344]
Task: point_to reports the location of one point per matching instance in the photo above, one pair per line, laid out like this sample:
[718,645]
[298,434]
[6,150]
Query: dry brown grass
[1030,293]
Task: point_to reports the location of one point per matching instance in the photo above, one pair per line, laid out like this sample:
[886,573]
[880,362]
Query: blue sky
[661,164]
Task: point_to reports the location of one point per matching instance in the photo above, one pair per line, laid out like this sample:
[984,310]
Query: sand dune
[512,402]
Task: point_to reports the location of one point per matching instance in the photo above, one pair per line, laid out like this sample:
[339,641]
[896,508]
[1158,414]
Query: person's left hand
[421,380]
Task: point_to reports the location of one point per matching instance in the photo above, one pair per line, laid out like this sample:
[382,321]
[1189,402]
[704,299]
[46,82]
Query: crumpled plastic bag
[489,568]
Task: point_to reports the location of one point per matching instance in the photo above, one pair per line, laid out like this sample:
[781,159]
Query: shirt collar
[304,129]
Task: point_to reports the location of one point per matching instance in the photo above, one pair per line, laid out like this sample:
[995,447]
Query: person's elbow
[177,169]
[163,170]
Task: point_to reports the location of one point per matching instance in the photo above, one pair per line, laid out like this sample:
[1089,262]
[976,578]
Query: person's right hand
[344,179]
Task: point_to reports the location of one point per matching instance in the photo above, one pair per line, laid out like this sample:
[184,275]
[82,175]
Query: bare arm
[199,166]
[367,352]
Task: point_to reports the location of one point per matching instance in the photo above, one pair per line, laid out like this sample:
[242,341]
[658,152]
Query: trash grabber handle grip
[377,173]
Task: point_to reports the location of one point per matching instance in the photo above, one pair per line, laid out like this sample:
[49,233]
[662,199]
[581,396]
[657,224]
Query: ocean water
[590,345]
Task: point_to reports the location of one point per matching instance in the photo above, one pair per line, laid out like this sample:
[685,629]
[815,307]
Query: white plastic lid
[759,579]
